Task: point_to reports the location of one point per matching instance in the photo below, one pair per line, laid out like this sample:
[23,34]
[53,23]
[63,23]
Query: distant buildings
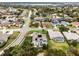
[76,24]
[55,22]
[65,23]
[60,23]
[10,22]
[55,16]
[11,9]
[57,19]
[63,18]
[38,40]
[56,35]
[10,17]
[40,19]
[67,18]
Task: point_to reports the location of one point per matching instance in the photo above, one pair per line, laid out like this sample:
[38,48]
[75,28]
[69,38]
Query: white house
[3,38]
[71,36]
[56,35]
[39,39]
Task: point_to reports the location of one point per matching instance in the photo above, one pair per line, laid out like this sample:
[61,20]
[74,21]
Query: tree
[78,19]
[38,14]
[17,51]
[74,43]
[45,46]
[32,17]
[44,15]
[55,52]
[7,52]
[63,28]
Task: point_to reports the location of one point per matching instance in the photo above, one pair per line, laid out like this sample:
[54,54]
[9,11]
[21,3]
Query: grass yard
[34,25]
[64,46]
[77,46]
[47,24]
[38,31]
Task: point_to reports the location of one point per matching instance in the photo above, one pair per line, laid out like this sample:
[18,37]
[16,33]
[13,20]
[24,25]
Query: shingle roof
[71,36]
[54,34]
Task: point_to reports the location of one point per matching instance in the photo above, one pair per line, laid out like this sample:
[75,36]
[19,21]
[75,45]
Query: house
[10,22]
[58,19]
[65,23]
[55,16]
[56,35]
[71,36]
[65,18]
[68,18]
[38,39]
[40,19]
[55,22]
[76,24]
[11,9]
[3,38]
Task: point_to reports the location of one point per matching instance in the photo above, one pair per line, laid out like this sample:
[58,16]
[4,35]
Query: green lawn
[34,25]
[77,46]
[52,44]
[38,31]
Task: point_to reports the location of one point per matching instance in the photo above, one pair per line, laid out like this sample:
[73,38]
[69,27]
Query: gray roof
[71,36]
[4,37]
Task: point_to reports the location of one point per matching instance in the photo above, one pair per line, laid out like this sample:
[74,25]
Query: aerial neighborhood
[39,30]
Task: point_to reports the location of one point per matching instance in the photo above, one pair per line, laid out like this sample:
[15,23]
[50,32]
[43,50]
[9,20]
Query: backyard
[52,44]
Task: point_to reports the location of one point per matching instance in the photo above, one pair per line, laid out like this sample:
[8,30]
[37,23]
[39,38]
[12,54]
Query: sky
[39,0]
